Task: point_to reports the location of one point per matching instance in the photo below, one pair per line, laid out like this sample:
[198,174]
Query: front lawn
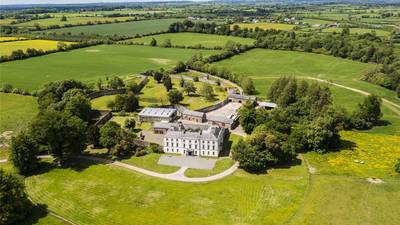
[221,165]
[87,192]
[150,162]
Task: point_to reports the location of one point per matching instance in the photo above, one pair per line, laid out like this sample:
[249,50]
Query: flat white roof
[157,112]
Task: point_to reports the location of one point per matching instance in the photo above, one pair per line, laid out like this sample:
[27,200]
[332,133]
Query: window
[208,152]
[213,153]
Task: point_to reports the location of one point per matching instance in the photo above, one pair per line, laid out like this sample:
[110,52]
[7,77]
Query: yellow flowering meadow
[367,155]
[6,48]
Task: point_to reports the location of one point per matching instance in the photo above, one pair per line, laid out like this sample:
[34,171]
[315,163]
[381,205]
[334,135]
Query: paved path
[176,176]
[393,106]
[225,81]
[3,160]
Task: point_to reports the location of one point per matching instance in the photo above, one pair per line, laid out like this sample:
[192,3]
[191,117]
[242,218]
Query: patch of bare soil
[375,180]
[160,61]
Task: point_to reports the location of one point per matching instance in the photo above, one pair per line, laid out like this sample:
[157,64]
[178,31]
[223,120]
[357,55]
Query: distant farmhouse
[191,139]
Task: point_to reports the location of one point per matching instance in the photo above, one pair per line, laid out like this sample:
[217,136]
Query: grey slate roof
[242,97]
[157,112]
[195,131]
[193,113]
[221,119]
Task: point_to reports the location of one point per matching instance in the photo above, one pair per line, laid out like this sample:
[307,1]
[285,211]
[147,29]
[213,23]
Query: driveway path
[176,176]
[224,81]
[393,106]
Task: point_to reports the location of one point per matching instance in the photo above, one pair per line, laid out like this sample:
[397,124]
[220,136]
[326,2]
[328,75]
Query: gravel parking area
[187,161]
[226,110]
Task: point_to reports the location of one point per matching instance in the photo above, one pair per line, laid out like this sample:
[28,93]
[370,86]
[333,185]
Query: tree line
[305,120]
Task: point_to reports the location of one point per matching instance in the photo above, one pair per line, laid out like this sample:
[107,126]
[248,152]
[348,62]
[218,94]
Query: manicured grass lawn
[155,93]
[350,200]
[144,126]
[16,111]
[90,64]
[378,152]
[128,28]
[150,162]
[266,26]
[91,193]
[101,102]
[221,165]
[6,48]
[192,39]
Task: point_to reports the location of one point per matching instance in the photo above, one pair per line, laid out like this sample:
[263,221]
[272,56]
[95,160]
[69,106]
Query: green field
[221,165]
[378,152]
[265,26]
[150,162]
[193,39]
[128,28]
[90,64]
[155,94]
[358,31]
[266,65]
[74,20]
[88,193]
[16,111]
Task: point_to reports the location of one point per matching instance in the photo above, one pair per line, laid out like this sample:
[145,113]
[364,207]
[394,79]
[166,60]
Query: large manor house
[196,133]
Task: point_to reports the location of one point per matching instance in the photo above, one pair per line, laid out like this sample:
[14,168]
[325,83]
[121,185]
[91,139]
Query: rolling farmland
[90,64]
[193,39]
[128,28]
[6,48]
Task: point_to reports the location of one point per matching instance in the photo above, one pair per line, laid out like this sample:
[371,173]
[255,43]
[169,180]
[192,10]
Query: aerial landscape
[229,112]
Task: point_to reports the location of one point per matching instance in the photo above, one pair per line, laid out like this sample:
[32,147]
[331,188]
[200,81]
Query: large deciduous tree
[24,150]
[110,134]
[368,113]
[15,204]
[175,96]
[60,134]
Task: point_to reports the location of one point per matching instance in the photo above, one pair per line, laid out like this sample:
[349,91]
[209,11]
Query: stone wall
[99,94]
[214,107]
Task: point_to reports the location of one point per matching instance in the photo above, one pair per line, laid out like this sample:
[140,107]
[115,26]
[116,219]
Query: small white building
[193,139]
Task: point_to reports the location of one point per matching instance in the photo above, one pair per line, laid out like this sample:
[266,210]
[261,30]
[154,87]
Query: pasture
[265,26]
[264,66]
[73,20]
[6,48]
[193,39]
[16,111]
[91,193]
[127,29]
[90,64]
[262,63]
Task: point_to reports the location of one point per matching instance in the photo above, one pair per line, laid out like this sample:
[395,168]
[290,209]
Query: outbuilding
[149,114]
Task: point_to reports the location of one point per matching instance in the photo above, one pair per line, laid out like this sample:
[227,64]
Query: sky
[18,2]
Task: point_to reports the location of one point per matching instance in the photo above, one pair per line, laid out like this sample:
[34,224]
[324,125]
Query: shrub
[397,166]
